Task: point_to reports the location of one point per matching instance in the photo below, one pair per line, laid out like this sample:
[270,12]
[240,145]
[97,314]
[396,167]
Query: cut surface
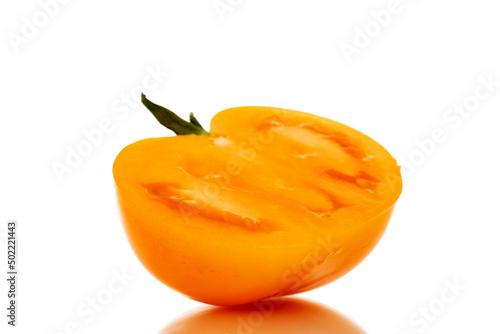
[271,174]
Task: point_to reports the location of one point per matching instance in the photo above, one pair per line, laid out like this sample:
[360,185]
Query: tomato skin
[301,204]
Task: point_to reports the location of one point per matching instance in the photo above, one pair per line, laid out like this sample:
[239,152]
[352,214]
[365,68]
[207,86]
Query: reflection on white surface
[289,315]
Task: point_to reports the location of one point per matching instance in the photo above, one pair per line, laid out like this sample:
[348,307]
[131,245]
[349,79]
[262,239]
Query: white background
[66,78]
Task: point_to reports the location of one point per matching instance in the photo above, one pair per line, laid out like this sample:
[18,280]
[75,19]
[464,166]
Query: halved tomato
[270,202]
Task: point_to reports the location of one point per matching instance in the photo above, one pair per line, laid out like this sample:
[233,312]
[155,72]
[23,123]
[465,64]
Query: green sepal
[173,122]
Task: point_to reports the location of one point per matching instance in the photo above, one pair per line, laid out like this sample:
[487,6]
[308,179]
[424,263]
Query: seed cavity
[362,180]
[190,205]
[269,125]
[339,138]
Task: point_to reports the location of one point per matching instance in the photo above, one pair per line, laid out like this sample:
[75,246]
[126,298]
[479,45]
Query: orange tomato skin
[227,219]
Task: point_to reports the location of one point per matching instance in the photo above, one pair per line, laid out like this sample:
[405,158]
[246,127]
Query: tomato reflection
[288,315]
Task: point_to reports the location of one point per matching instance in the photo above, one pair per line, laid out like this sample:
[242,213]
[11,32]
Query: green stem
[173,122]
